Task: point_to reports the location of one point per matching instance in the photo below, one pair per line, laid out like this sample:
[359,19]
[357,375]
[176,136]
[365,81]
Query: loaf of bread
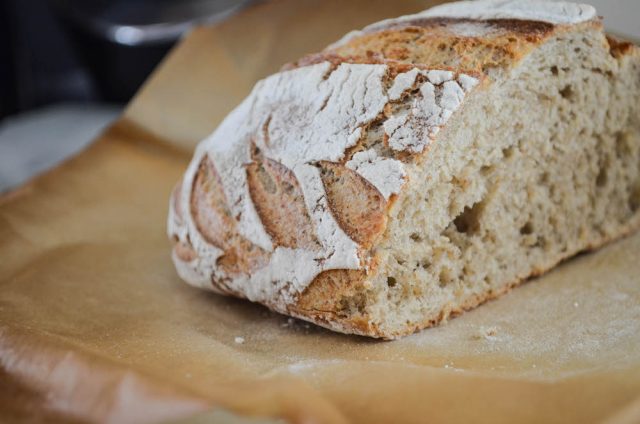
[418,167]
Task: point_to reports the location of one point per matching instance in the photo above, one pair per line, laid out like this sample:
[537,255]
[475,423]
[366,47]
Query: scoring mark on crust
[217,226]
[209,208]
[279,201]
[357,206]
[274,198]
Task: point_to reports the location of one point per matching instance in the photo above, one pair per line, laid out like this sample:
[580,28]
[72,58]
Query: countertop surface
[95,318]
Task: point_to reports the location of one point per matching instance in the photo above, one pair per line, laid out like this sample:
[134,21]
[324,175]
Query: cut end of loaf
[542,166]
[495,148]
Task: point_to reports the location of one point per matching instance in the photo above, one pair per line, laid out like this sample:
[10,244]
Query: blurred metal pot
[121,41]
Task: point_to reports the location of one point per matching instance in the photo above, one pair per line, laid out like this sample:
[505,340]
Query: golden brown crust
[433,47]
[209,206]
[355,203]
[395,66]
[280,204]
[214,221]
[337,298]
[619,47]
[463,45]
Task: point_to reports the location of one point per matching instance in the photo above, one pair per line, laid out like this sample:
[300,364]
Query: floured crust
[283,204]
[556,13]
[291,185]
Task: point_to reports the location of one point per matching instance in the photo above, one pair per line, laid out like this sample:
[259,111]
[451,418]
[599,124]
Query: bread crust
[465,45]
[336,298]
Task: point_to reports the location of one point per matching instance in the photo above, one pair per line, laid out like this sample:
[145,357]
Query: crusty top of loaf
[476,36]
[287,187]
[555,13]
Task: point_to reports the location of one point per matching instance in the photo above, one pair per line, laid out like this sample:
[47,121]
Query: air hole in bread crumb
[541,242]
[526,229]
[543,179]
[415,237]
[567,92]
[391,281]
[507,152]
[445,277]
[486,170]
[601,179]
[465,271]
[468,222]
[634,197]
[554,71]
[623,148]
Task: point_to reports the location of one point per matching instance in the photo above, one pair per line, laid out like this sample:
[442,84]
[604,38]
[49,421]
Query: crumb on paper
[290,322]
[486,333]
[239,340]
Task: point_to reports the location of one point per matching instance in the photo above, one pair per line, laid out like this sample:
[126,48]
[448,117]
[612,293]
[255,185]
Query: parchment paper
[95,325]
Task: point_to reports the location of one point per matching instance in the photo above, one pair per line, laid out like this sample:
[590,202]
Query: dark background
[38,62]
[55,51]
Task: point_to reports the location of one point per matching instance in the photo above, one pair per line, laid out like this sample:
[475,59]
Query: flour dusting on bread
[418,167]
[299,118]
